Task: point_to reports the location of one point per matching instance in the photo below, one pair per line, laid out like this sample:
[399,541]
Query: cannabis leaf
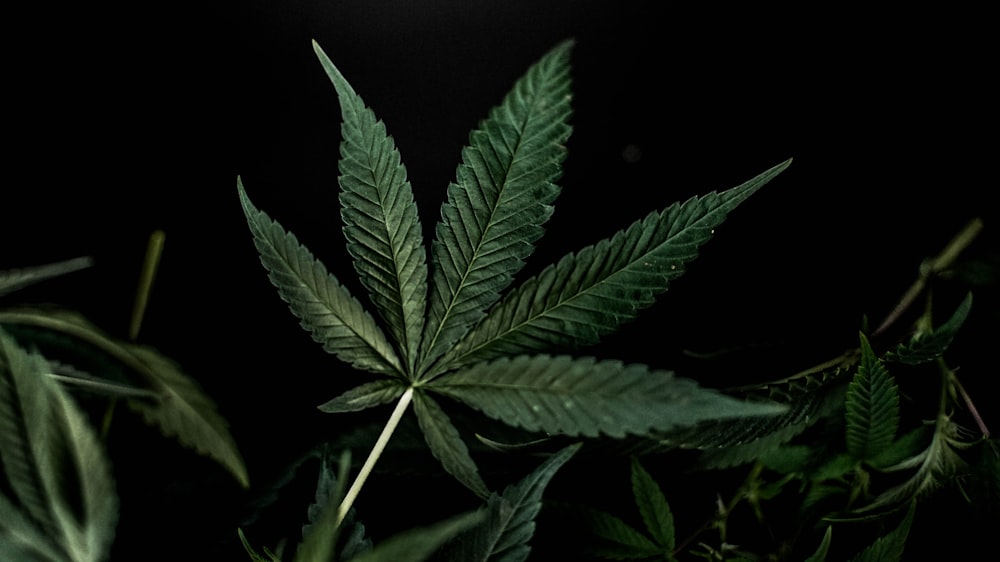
[620,541]
[325,308]
[872,407]
[509,520]
[155,386]
[934,465]
[380,218]
[319,541]
[62,503]
[587,397]
[823,548]
[592,292]
[445,328]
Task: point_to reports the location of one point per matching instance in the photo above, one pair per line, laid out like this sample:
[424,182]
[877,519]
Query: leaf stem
[380,443]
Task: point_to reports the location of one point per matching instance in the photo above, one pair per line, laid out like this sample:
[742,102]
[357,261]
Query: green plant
[448,331]
[832,463]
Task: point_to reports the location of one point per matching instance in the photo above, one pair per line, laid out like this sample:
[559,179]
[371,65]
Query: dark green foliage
[509,521]
[831,463]
[617,540]
[438,330]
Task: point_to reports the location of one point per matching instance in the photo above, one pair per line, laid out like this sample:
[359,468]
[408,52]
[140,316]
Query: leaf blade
[446,444]
[364,396]
[501,197]
[872,407]
[380,217]
[586,397]
[589,294]
[653,507]
[58,454]
[184,412]
[509,520]
[325,309]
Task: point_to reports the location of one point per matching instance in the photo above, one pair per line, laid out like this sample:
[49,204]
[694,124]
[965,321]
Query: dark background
[122,120]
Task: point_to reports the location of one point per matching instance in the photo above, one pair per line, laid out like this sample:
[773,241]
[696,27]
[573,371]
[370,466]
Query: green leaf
[380,217]
[446,444]
[16,279]
[824,547]
[418,544]
[889,548]
[169,399]
[593,292]
[927,347]
[583,396]
[616,539]
[21,538]
[935,465]
[502,196]
[186,413]
[872,407]
[324,307]
[26,428]
[509,521]
[54,464]
[653,507]
[732,442]
[365,396]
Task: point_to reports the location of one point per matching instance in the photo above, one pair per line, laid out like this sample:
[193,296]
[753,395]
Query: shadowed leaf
[446,444]
[510,518]
[65,505]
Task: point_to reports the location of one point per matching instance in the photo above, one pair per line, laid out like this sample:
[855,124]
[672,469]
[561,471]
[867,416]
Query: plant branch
[380,443]
[930,268]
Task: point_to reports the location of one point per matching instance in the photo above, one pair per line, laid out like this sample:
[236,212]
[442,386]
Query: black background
[122,120]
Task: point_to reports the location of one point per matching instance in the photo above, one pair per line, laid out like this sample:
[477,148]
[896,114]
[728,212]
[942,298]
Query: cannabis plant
[452,321]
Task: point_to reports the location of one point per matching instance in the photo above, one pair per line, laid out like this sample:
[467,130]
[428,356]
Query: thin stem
[930,268]
[366,470]
[953,382]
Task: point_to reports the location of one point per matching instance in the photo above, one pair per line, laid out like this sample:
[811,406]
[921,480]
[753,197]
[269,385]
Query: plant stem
[952,382]
[930,268]
[380,443]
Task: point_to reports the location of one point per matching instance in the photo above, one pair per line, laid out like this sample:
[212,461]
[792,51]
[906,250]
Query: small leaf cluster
[851,464]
